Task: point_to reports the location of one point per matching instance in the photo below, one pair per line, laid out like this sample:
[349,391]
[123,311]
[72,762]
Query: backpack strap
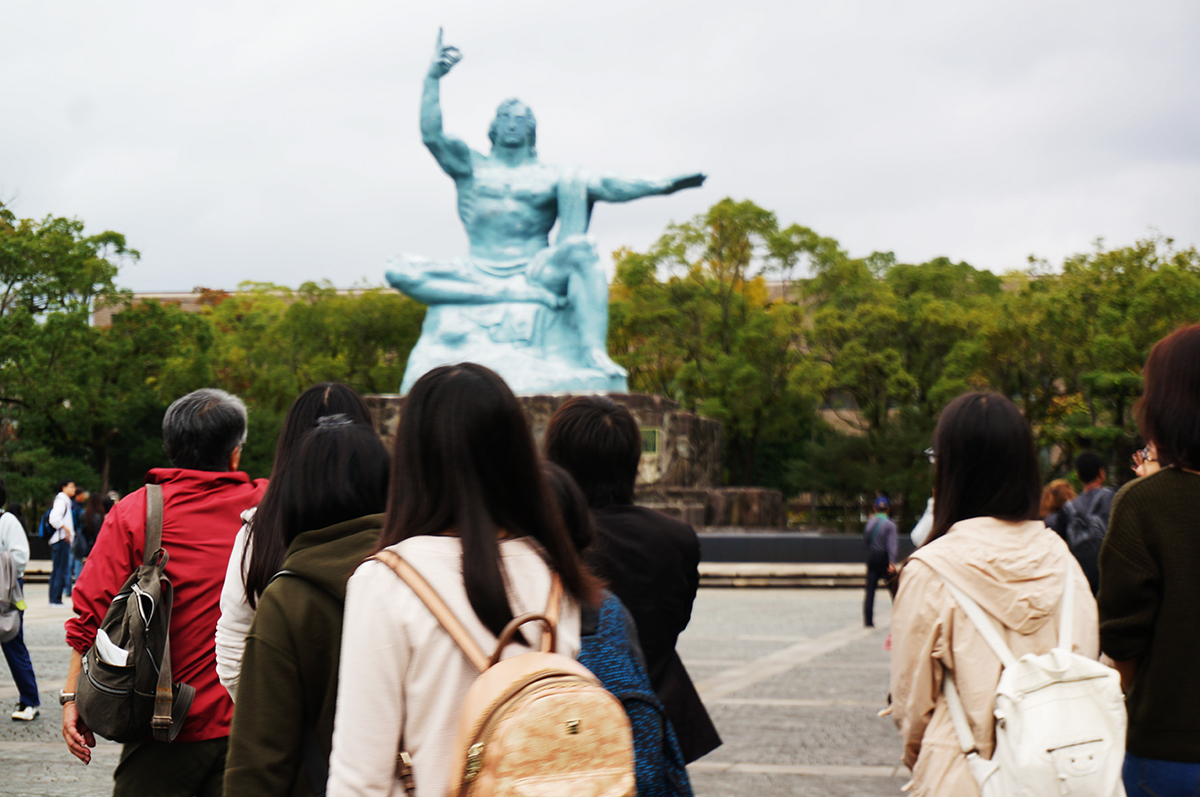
[553,605]
[983,624]
[958,716]
[869,530]
[436,606]
[154,518]
[1066,619]
[165,723]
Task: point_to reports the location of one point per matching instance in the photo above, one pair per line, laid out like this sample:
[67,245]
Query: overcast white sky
[278,141]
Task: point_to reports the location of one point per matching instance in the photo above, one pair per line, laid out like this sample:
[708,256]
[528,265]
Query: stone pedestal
[680,470]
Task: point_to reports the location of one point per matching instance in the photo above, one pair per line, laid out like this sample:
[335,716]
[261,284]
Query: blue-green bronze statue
[535,312]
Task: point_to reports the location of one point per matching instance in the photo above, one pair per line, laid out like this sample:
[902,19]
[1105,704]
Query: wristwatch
[65,697]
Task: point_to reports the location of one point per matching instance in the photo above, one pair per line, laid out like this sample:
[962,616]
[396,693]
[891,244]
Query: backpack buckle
[474,762]
[404,772]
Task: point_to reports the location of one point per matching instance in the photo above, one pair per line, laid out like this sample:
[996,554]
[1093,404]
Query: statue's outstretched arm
[623,189]
[452,155]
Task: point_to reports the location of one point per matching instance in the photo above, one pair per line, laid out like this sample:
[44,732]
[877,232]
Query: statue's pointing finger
[444,57]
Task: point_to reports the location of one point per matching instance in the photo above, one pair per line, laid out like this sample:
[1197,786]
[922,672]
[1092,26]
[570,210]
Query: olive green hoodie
[283,720]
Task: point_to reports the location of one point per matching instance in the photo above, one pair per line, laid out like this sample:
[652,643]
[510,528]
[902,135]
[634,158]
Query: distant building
[188,301]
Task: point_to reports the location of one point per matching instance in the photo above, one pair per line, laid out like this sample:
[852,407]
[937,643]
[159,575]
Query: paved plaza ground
[792,679]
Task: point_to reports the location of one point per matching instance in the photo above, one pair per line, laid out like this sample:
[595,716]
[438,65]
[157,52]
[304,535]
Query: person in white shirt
[260,548]
[14,543]
[60,542]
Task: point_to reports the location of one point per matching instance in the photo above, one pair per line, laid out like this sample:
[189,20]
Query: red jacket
[201,516]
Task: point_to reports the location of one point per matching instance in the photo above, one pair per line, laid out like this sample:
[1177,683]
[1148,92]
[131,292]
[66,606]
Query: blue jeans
[21,667]
[60,570]
[1150,777]
[75,568]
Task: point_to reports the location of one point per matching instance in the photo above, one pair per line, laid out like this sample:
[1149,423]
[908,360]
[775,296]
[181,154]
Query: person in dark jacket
[609,648]
[882,544]
[1083,521]
[88,528]
[333,493]
[650,561]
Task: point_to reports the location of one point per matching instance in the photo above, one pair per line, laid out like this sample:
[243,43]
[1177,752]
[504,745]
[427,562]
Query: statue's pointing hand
[687,181]
[444,58]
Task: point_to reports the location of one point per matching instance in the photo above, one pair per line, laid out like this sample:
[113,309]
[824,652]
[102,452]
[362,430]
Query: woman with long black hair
[987,542]
[469,509]
[260,546]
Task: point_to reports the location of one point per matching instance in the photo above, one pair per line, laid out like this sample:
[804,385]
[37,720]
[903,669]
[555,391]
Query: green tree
[709,335]
[51,276]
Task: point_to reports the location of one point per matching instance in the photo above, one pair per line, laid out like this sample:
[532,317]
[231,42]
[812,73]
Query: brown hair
[1169,410]
[986,464]
[1056,493]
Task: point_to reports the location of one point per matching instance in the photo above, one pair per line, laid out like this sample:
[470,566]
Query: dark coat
[651,562]
[283,725]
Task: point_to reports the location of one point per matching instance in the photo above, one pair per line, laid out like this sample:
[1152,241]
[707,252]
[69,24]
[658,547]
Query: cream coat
[1016,572]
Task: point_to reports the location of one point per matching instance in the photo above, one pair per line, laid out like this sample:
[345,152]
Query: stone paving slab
[790,735]
[743,784]
[33,757]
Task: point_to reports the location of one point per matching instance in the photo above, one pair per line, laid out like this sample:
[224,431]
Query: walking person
[882,544]
[87,530]
[203,495]
[331,494]
[468,509]
[987,542]
[1148,587]
[78,504]
[62,521]
[262,543]
[14,544]
[1083,521]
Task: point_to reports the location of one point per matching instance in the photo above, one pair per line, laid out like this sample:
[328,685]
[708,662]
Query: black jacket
[650,562]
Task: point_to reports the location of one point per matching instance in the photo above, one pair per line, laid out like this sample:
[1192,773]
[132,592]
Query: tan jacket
[1016,572]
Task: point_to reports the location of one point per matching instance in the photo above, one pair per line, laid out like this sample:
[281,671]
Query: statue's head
[514,125]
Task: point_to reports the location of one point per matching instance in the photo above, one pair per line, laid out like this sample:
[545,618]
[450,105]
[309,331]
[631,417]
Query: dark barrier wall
[732,546]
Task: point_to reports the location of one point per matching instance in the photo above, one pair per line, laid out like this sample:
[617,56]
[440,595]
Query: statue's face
[513,126]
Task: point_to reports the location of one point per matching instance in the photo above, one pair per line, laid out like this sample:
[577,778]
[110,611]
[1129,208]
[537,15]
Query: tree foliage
[85,402]
[832,381]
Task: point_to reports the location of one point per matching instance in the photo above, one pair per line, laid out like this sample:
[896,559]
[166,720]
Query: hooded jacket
[289,675]
[1016,572]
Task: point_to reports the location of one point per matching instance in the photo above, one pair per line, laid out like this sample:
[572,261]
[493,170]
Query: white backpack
[1060,717]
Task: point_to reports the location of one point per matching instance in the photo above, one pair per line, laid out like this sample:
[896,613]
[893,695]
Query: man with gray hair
[203,497]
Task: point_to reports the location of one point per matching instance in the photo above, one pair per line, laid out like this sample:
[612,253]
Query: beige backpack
[534,725]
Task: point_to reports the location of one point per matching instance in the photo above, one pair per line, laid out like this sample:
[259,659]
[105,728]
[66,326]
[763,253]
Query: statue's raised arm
[452,154]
